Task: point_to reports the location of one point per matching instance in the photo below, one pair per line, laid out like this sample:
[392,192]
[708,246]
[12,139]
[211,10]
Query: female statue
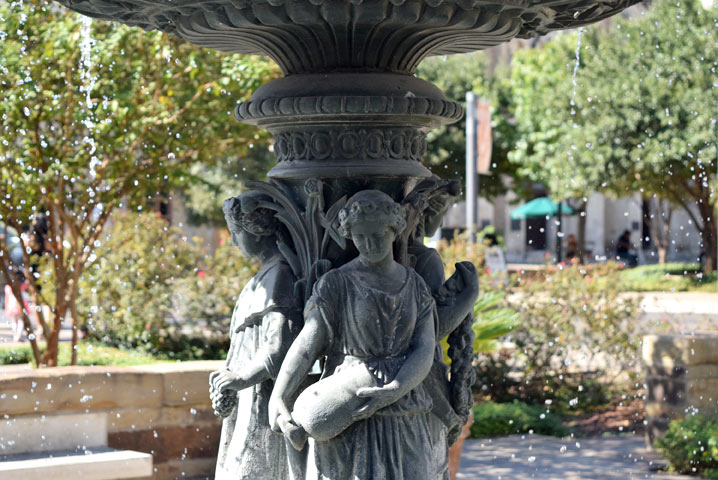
[373,321]
[264,324]
[455,299]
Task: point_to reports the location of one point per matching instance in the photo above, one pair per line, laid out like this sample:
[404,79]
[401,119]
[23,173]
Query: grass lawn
[87,354]
[671,277]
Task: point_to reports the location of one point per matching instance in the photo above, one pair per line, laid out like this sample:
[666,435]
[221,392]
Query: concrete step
[95,464]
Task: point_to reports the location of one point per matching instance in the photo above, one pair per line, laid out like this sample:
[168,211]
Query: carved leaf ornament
[311,230]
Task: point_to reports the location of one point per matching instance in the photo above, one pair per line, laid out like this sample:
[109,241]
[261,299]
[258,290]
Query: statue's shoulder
[333,276]
[421,286]
[279,278]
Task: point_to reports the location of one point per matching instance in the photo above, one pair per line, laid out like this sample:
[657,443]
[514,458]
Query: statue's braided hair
[244,212]
[463,375]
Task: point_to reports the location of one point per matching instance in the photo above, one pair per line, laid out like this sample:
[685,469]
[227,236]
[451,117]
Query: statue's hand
[469,278]
[277,408]
[379,397]
[223,380]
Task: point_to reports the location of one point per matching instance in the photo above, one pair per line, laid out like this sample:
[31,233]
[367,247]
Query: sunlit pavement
[6,332]
[520,457]
[685,312]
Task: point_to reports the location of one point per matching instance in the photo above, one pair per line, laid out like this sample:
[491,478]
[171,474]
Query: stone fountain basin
[305,36]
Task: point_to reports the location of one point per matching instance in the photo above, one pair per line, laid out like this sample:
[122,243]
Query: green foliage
[492,321]
[83,136]
[15,355]
[691,446]
[127,297]
[569,320]
[493,419]
[152,289]
[641,119]
[89,353]
[209,186]
[670,277]
[446,145]
[207,299]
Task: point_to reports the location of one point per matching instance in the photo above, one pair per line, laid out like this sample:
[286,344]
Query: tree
[446,146]
[643,116]
[98,117]
[212,185]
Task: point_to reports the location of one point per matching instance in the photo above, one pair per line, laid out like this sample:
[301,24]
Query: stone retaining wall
[161,409]
[682,377]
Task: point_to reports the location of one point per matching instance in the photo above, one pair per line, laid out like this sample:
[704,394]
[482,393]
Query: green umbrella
[539,207]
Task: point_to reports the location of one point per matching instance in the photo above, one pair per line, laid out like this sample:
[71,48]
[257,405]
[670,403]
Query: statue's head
[253,227]
[440,199]
[372,220]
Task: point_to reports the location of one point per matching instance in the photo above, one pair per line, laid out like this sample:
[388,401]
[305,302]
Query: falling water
[88,83]
[575,70]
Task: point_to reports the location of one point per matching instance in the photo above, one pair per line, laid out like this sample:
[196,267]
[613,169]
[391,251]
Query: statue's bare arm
[264,365]
[305,350]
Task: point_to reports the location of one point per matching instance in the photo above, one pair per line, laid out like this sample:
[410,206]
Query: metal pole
[471,183]
[559,229]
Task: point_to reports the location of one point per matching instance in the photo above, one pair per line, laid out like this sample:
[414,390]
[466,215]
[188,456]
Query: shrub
[493,419]
[569,315]
[691,446]
[15,355]
[126,297]
[153,289]
[206,301]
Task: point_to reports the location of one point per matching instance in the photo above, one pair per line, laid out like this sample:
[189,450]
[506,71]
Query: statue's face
[433,222]
[249,244]
[373,240]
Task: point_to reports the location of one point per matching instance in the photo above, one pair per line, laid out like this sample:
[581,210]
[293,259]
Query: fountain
[339,224]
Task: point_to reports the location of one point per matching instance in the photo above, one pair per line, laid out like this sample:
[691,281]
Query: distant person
[623,250]
[494,258]
[571,248]
[13,310]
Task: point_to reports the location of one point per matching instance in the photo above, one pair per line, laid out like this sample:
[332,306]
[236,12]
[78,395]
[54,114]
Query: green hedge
[494,419]
[691,446]
[674,277]
[89,353]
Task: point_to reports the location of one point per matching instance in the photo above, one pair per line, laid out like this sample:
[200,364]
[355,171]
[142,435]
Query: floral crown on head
[374,206]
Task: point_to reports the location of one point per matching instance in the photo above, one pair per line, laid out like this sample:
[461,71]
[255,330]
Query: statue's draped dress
[268,318]
[374,328]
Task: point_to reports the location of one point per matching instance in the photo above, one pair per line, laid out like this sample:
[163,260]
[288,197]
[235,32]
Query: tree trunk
[7,271]
[660,224]
[710,259]
[49,358]
[581,240]
[709,235]
[73,312]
